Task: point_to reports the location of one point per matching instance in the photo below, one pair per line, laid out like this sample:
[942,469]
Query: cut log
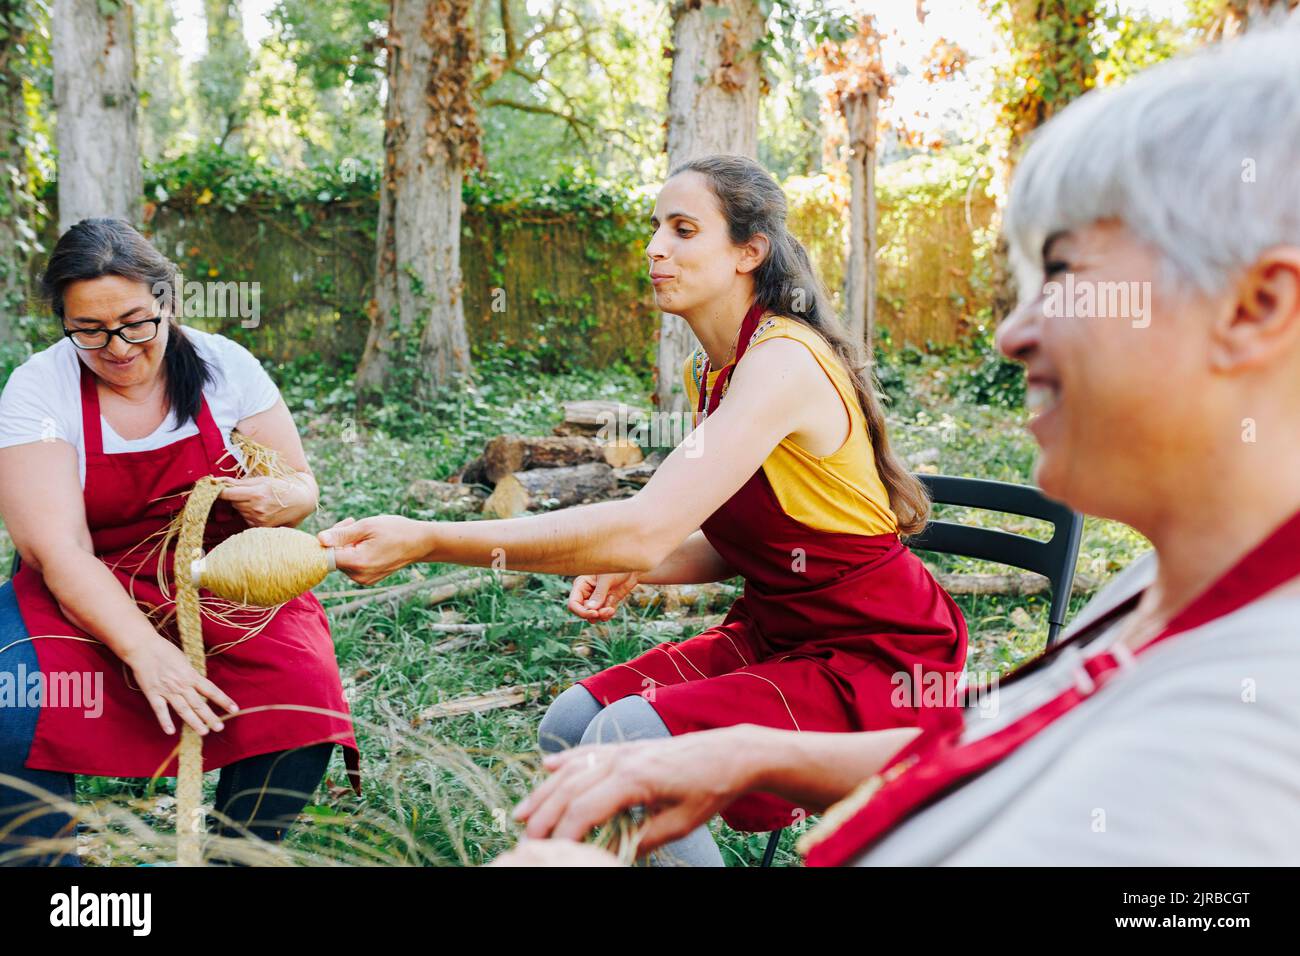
[451,497]
[507,454]
[474,473]
[597,418]
[621,454]
[524,491]
[638,474]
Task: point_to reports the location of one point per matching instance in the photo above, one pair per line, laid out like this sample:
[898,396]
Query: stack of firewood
[576,464]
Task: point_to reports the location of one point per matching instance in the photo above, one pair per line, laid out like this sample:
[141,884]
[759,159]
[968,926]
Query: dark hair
[101,247]
[753,204]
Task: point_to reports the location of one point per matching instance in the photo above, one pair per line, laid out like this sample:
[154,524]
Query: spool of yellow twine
[264,567]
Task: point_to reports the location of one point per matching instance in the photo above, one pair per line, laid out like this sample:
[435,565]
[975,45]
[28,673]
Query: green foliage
[233,182]
[166,105]
[335,44]
[989,378]
[221,76]
[1053,57]
[24,57]
[1133,41]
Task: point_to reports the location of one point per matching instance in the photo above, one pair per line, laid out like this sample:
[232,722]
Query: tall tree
[431,135]
[223,72]
[164,102]
[1052,59]
[93,48]
[858,83]
[18,206]
[1225,18]
[713,96]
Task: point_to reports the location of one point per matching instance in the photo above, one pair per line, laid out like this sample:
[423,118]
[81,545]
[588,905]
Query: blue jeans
[262,795]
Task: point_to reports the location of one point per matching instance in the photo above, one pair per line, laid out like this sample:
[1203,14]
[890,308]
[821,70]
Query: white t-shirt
[42,399]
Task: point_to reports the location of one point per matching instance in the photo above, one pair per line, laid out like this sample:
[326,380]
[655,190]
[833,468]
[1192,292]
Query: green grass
[422,803]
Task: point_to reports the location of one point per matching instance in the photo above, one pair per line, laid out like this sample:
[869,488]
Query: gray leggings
[575,717]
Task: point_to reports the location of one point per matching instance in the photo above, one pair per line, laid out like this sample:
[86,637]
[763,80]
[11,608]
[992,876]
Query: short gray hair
[1199,156]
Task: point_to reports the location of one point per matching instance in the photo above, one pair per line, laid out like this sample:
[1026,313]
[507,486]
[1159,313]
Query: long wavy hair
[786,284]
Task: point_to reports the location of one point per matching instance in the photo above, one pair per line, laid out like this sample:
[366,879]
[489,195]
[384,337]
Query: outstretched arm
[765,403]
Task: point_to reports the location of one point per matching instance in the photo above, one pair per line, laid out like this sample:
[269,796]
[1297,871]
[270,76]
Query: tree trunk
[222,74]
[1036,31]
[95,102]
[417,334]
[712,108]
[860,111]
[1238,16]
[165,105]
[17,206]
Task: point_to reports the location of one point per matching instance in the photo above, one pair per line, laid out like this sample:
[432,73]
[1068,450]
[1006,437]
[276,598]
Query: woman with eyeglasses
[102,435]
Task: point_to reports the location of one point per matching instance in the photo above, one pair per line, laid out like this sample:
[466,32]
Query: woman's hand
[681,782]
[371,549]
[595,597]
[167,679]
[555,853]
[266,502]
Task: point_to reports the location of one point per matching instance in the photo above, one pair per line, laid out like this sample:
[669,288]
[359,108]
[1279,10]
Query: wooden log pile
[585,460]
[588,459]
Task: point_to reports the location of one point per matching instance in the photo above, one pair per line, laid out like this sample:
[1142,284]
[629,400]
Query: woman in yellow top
[789,483]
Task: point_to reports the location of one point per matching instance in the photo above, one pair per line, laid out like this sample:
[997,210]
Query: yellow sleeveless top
[841,492]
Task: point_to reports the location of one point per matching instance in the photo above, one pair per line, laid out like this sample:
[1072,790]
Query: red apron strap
[709,397]
[213,441]
[92,434]
[938,762]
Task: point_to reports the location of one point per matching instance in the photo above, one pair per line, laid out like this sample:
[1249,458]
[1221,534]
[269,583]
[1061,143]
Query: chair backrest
[1054,559]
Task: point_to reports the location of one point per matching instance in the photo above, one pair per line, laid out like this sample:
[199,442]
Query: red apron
[817,641]
[937,762]
[129,498]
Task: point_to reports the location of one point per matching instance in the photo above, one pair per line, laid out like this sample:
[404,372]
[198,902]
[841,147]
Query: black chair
[1054,559]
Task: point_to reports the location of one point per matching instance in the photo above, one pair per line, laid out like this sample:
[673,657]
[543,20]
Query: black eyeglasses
[133,333]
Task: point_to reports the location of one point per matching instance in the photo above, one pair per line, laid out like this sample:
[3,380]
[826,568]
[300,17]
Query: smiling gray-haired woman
[1167,729]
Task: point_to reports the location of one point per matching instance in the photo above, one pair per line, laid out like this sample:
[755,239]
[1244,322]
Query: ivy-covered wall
[559,270]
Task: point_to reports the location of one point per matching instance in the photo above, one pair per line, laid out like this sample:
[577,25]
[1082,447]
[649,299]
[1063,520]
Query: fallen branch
[478,703]
[457,628]
[356,592]
[672,597]
[441,588]
[687,626]
[1004,585]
